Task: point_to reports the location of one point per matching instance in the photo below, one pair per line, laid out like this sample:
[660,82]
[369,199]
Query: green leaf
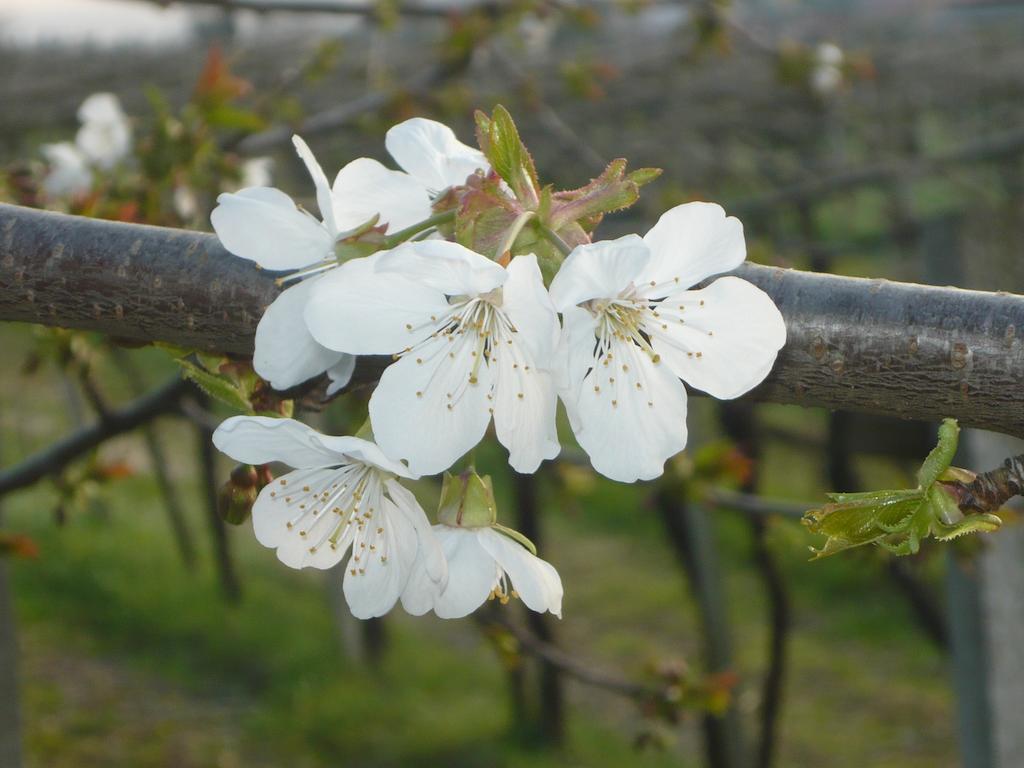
[508,155]
[215,386]
[898,520]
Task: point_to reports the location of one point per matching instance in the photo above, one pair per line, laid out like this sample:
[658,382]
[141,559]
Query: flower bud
[467,501]
[238,494]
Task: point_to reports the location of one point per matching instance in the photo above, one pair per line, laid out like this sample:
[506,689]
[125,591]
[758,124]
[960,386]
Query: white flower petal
[526,302]
[340,373]
[525,401]
[285,353]
[727,341]
[429,151]
[364,188]
[430,551]
[630,431]
[324,199]
[444,266]
[295,546]
[374,587]
[260,440]
[355,449]
[689,243]
[263,225]
[575,358]
[472,573]
[536,581]
[357,310]
[426,410]
[601,270]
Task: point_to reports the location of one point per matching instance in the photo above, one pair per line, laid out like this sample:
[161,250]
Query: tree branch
[897,349]
[570,664]
[57,456]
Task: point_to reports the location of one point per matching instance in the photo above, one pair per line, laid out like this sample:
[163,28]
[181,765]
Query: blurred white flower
[69,174]
[343,495]
[105,137]
[103,140]
[184,201]
[632,328]
[258,172]
[471,338]
[827,74]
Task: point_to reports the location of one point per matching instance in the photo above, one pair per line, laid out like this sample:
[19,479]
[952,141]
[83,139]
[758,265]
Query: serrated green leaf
[215,386]
[509,157]
[899,520]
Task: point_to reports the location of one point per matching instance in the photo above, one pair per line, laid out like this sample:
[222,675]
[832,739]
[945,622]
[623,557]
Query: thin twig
[570,664]
[54,458]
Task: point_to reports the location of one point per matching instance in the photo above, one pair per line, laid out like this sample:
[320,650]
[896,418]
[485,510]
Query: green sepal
[612,191]
[643,176]
[517,537]
[215,386]
[467,501]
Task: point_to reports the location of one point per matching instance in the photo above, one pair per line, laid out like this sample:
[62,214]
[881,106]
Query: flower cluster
[102,141]
[492,302]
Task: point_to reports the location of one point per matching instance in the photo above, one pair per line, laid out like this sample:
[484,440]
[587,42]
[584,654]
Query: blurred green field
[127,659]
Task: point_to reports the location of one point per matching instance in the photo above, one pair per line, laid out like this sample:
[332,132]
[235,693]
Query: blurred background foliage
[878,138]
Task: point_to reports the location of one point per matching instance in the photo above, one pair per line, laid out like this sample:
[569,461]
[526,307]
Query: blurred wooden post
[551,699]
[10,719]
[691,535]
[985,588]
[10,722]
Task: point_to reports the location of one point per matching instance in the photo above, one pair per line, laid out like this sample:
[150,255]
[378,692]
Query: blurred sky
[106,22]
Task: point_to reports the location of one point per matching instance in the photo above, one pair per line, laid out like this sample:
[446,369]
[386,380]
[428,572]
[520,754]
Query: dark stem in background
[50,461]
[218,530]
[10,720]
[551,710]
[158,458]
[739,421]
[690,535]
[571,664]
[10,708]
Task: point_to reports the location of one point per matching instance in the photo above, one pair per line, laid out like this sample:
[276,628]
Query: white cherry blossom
[105,137]
[343,495]
[485,563]
[102,141]
[264,225]
[827,72]
[471,339]
[634,326]
[69,174]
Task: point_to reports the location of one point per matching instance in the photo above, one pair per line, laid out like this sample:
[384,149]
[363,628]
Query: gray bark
[897,349]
